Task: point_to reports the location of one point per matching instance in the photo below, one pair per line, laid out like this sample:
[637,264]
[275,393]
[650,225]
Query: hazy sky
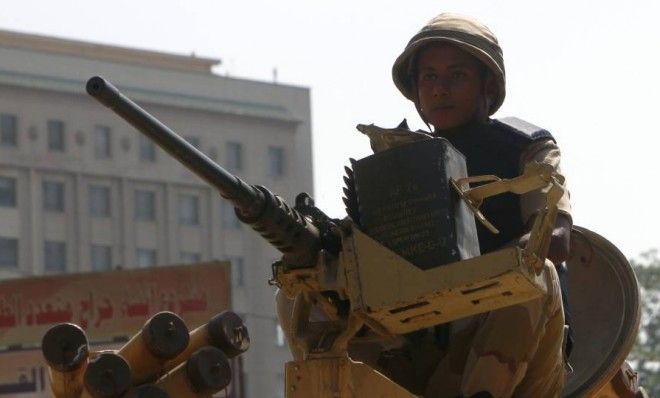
[586,71]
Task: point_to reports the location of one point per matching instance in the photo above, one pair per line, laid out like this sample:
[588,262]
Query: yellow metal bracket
[535,176]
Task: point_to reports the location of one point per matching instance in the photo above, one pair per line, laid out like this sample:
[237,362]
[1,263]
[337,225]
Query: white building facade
[81,190]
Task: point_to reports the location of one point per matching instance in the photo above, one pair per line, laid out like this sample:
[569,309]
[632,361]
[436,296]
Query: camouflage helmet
[464,32]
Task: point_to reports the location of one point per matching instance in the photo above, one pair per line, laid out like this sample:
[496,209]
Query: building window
[8,130]
[102,142]
[145,205]
[229,218]
[54,256]
[234,156]
[147,149]
[145,257]
[188,210]
[7,192]
[56,142]
[237,271]
[53,196]
[189,257]
[101,257]
[194,141]
[275,161]
[280,339]
[8,252]
[99,201]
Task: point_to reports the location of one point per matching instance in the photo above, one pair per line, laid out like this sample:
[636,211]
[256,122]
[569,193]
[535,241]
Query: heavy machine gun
[359,282]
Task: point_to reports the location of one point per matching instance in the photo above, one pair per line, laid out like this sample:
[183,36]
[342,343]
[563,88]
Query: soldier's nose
[441,89]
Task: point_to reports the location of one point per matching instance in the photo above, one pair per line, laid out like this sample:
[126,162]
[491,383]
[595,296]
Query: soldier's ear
[490,89]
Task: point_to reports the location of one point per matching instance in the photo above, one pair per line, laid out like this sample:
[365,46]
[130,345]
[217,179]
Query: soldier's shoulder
[521,130]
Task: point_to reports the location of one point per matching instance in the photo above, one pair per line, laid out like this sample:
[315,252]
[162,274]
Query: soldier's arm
[532,202]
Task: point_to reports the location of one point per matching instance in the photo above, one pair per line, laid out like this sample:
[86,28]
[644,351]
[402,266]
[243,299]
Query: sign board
[110,305]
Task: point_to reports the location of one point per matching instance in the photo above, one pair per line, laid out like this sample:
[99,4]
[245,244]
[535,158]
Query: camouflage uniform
[515,351]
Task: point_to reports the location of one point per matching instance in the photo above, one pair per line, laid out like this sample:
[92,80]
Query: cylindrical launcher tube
[66,352]
[225,331]
[162,338]
[206,372]
[107,376]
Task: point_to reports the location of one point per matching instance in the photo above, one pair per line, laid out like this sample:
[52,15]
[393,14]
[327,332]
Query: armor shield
[605,306]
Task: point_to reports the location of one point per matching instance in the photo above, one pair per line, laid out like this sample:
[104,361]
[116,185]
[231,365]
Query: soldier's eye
[429,77]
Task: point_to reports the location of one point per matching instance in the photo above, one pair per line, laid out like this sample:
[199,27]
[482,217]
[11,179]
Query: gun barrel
[286,229]
[232,188]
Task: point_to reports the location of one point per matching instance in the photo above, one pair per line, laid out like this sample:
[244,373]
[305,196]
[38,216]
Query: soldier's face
[450,84]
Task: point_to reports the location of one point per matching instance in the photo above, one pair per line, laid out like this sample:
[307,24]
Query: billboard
[113,304]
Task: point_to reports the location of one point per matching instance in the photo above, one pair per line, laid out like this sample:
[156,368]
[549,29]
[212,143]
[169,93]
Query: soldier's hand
[560,243]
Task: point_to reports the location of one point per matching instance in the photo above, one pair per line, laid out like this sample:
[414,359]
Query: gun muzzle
[206,372]
[228,333]
[66,351]
[162,338]
[107,376]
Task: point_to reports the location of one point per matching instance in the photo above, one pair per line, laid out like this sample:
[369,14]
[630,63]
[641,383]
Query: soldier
[453,71]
